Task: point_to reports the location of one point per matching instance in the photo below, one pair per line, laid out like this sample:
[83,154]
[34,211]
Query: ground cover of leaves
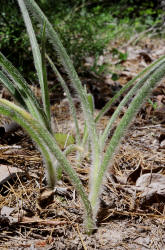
[132,213]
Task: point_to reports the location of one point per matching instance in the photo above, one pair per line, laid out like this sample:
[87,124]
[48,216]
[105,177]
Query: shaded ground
[131,216]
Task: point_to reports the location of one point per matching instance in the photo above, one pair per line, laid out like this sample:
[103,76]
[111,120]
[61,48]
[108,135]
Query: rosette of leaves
[36,118]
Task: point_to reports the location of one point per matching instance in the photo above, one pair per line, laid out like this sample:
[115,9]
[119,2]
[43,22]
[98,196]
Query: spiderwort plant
[37,120]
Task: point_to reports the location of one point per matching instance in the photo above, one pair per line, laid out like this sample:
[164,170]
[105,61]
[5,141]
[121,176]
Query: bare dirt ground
[132,213]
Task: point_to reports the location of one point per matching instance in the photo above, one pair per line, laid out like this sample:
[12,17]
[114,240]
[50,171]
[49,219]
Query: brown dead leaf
[132,178]
[9,128]
[146,57]
[152,187]
[160,113]
[161,137]
[160,89]
[8,176]
[8,172]
[46,198]
[5,216]
[162,144]
[6,211]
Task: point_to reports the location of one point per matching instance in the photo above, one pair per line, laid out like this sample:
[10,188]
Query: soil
[34,217]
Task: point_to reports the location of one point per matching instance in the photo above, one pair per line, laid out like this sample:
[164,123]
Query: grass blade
[45,82]
[26,93]
[24,119]
[71,103]
[127,97]
[38,62]
[121,129]
[12,89]
[68,66]
[48,146]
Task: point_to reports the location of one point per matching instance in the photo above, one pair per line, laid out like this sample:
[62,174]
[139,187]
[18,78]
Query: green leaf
[115,77]
[123,56]
[64,140]
[50,149]
[24,90]
[68,94]
[91,102]
[121,129]
[12,89]
[150,69]
[72,74]
[38,59]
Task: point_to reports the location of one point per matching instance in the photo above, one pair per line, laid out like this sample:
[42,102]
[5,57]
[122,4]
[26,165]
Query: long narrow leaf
[62,54]
[27,122]
[47,144]
[126,87]
[37,59]
[127,97]
[12,89]
[121,130]
[45,81]
[68,66]
[71,103]
[26,93]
